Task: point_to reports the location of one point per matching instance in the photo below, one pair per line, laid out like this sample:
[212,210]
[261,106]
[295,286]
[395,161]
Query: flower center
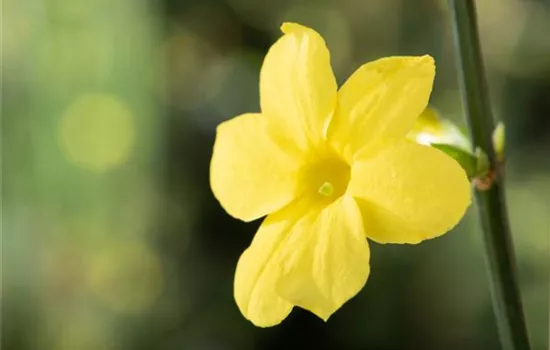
[326,189]
[328,178]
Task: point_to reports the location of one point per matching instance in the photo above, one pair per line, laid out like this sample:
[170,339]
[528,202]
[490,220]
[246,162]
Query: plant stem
[491,203]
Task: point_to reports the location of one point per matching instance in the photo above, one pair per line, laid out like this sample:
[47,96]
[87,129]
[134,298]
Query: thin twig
[491,202]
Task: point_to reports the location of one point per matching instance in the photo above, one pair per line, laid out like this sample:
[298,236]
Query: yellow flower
[329,168]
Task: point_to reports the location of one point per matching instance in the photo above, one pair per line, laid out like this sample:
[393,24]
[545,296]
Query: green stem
[492,205]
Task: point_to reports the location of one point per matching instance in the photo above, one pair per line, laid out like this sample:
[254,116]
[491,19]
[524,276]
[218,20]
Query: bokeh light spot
[84,330]
[97,132]
[128,277]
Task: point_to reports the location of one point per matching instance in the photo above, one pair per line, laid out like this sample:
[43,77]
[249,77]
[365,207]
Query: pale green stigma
[326,189]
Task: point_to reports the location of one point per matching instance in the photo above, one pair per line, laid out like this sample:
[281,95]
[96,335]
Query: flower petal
[297,83]
[325,261]
[258,270]
[410,193]
[254,167]
[379,103]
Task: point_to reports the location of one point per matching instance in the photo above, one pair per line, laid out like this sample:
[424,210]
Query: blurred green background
[112,239]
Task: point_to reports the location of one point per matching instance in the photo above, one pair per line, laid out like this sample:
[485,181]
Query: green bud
[499,139]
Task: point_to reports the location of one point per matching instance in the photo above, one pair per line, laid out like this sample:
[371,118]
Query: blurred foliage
[111,236]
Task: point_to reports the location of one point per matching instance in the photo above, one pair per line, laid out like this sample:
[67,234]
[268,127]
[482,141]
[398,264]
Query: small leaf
[467,160]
